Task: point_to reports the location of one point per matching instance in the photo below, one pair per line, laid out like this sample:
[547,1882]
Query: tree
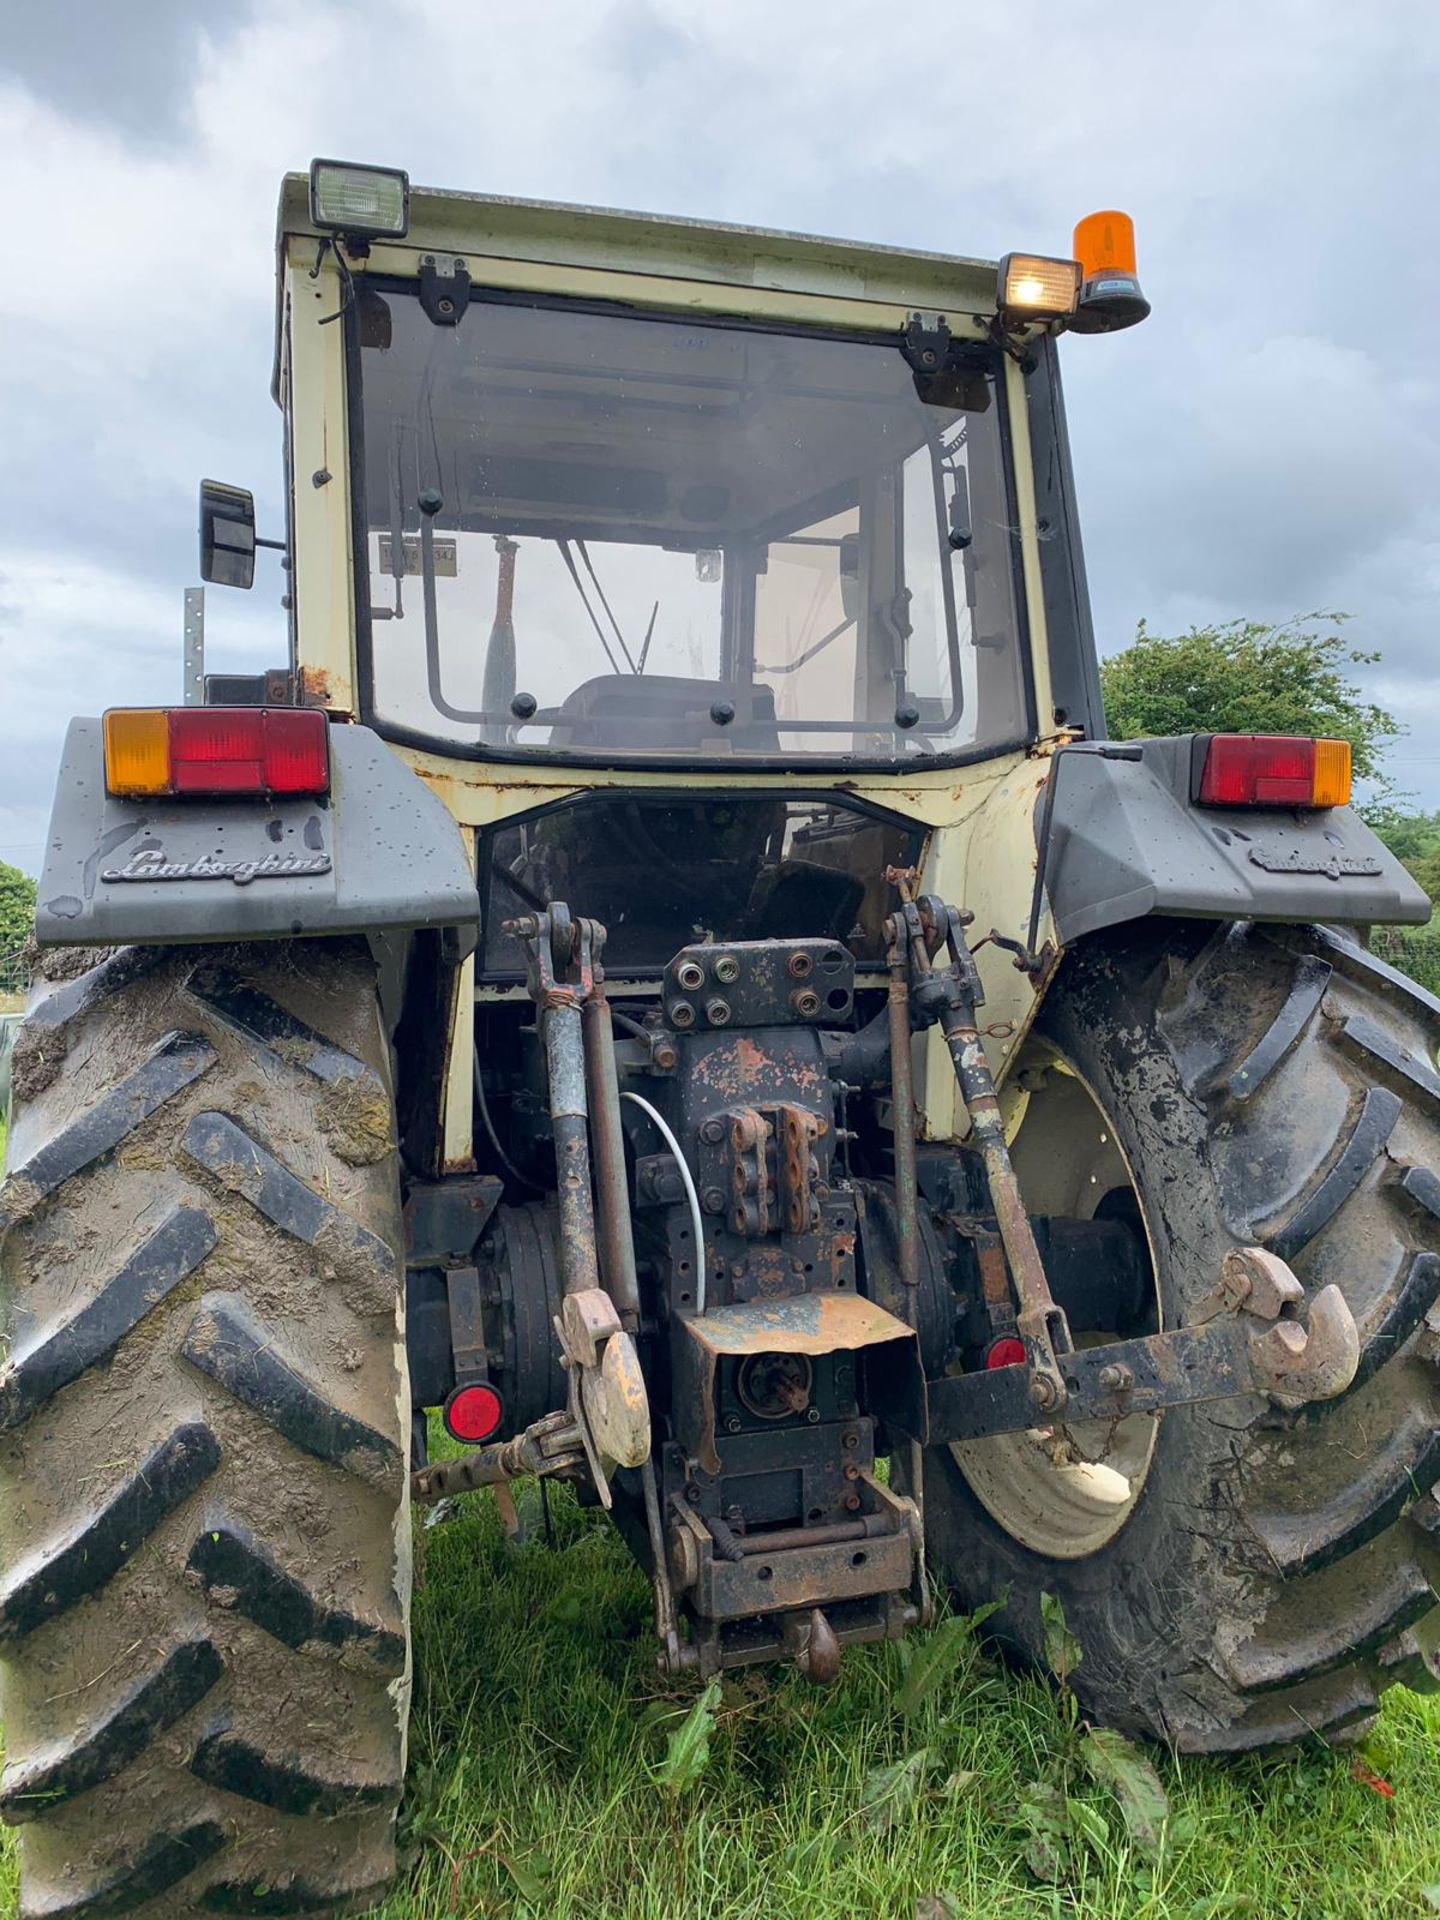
[1411,837]
[17,909]
[1426,869]
[1248,677]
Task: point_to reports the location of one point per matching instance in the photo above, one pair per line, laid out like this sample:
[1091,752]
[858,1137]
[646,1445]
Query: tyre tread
[236,1765]
[250,1360]
[68,1570]
[182,1681]
[282,1605]
[180,1244]
[173,1062]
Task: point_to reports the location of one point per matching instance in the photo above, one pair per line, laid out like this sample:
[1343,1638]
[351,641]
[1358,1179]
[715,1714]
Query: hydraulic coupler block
[759,983]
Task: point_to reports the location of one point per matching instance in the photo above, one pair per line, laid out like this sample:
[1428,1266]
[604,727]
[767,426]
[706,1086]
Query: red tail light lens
[296,757]
[217,750]
[1275,770]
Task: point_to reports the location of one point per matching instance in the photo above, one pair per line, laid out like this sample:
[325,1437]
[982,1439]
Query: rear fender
[379,852]
[1126,840]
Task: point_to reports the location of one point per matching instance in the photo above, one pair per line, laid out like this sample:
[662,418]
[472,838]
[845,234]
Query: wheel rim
[1065,1491]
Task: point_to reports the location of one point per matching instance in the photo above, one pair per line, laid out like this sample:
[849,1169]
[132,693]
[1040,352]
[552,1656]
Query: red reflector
[473,1413]
[1007,1351]
[249,750]
[1258,770]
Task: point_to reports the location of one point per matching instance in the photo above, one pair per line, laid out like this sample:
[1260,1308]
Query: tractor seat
[639,710]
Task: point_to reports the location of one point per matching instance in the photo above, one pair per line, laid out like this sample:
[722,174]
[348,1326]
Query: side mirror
[227,535]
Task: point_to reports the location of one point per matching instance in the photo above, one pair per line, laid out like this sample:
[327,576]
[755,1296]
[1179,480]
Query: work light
[371,203]
[1035,287]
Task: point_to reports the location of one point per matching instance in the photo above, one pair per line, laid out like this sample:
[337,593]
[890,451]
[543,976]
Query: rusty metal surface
[759,983]
[870,1527]
[557,944]
[615,1404]
[1259,1281]
[606,1393]
[587,1320]
[551,1445]
[1313,1362]
[742,1643]
[666,1625]
[797,1130]
[802,1577]
[811,1642]
[796,1324]
[616,1240]
[902,1104]
[952,995]
[731,1577]
[579,1256]
[750,1184]
[755,1069]
[800,1323]
[1220,1360]
[312,688]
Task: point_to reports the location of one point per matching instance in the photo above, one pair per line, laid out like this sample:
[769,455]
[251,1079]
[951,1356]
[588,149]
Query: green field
[537,1778]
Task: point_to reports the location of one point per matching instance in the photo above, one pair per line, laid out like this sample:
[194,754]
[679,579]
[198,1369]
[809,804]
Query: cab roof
[554,234]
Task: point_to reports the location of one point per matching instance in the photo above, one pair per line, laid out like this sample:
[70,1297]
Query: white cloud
[1261,446]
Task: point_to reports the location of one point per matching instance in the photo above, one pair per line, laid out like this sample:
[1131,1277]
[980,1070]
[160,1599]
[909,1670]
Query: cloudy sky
[1268,443]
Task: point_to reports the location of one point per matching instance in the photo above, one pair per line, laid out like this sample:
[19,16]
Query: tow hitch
[1216,1360]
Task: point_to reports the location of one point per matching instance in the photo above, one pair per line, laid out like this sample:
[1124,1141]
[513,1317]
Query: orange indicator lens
[1333,760]
[137,751]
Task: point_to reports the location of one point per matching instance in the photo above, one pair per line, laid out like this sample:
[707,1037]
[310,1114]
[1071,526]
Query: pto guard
[806,1323]
[380,851]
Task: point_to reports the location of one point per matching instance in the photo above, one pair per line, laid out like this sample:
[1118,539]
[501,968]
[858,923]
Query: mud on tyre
[1273,1570]
[204,1548]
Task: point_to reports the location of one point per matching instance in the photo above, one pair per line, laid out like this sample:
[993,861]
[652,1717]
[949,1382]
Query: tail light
[264,751]
[1274,770]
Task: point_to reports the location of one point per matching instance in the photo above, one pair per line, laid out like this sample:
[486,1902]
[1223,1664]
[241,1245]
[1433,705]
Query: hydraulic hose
[697,1219]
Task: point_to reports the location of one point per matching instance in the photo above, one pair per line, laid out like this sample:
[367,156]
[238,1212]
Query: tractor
[672,980]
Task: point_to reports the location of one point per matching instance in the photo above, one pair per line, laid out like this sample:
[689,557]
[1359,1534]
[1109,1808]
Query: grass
[537,1767]
[536,1739]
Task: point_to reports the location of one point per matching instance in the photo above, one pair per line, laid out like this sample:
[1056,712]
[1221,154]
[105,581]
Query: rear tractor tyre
[1237,1574]
[204,1528]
